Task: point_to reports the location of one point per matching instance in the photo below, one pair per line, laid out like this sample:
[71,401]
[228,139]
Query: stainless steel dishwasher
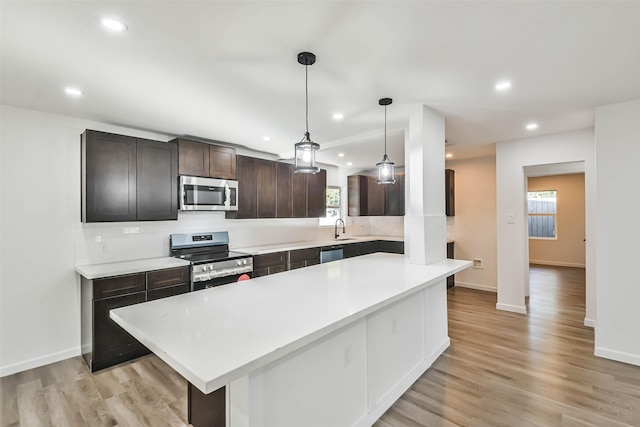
[330,253]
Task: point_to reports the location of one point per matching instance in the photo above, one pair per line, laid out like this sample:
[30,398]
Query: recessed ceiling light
[266,138]
[532,126]
[503,86]
[114,24]
[73,91]
[340,154]
[448,155]
[338,116]
[349,163]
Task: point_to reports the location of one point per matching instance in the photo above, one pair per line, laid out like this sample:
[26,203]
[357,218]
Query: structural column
[425,228]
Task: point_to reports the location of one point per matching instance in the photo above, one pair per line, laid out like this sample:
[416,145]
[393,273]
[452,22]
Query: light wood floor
[502,369]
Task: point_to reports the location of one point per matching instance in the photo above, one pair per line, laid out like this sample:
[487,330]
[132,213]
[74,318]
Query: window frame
[324,221]
[554,215]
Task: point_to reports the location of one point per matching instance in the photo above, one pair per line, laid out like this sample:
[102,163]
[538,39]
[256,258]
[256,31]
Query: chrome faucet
[344,228]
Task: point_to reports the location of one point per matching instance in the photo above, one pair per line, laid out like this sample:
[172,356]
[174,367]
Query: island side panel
[206,410]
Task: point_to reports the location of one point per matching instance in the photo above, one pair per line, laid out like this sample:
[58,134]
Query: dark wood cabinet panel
[366,248]
[118,285]
[193,158]
[247,191]
[450,192]
[269,263]
[157,180]
[265,182]
[390,246]
[350,250]
[108,177]
[284,190]
[317,194]
[368,198]
[299,195]
[394,197]
[167,277]
[304,258]
[168,291]
[111,343]
[222,162]
[375,191]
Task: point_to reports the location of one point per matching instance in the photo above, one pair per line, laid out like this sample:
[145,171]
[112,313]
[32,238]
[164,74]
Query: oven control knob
[244,261]
[205,268]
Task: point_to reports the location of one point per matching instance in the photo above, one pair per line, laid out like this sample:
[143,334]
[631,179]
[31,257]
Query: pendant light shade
[386,168]
[306,149]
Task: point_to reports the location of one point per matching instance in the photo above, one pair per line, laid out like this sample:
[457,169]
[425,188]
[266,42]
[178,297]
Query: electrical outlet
[477,263]
[103,248]
[347,355]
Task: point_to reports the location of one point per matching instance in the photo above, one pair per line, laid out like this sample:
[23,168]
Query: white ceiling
[227,70]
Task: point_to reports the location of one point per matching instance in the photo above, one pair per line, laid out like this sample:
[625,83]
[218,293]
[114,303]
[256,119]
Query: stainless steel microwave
[208,194]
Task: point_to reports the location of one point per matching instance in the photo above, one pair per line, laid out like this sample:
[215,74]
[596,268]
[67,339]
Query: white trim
[589,323]
[485,288]
[521,309]
[619,356]
[39,361]
[557,263]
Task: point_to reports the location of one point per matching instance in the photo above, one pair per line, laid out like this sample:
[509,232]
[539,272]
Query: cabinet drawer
[390,247]
[270,260]
[119,285]
[168,277]
[310,254]
[167,292]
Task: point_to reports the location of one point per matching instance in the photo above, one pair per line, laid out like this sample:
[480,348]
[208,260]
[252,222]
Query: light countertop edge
[97,271]
[433,273]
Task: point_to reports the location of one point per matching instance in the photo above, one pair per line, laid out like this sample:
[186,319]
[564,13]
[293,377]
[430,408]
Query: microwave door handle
[227,196]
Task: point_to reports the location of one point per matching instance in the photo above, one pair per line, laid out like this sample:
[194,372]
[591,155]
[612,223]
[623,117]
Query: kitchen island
[333,344]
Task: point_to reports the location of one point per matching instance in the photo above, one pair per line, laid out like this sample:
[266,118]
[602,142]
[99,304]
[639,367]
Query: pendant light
[386,168]
[306,149]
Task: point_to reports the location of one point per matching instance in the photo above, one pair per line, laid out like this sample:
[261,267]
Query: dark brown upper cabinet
[450,192]
[127,179]
[368,198]
[206,160]
[270,189]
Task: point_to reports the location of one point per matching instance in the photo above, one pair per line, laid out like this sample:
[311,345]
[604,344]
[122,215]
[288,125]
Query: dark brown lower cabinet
[390,246]
[266,264]
[304,258]
[104,342]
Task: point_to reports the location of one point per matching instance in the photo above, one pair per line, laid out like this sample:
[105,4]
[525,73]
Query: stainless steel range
[212,263]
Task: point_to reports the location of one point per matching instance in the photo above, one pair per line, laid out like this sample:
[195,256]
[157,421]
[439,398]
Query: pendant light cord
[385,131]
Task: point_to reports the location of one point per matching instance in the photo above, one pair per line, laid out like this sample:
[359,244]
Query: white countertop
[97,271]
[214,336]
[266,249]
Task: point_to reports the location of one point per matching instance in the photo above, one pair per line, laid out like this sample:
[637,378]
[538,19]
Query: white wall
[617,146]
[474,225]
[43,238]
[511,160]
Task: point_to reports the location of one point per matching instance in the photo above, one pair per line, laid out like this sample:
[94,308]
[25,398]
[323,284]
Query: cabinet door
[451,280]
[350,250]
[366,248]
[450,193]
[108,177]
[317,194]
[299,195]
[157,180]
[284,190]
[265,182]
[394,197]
[390,247]
[357,195]
[222,162]
[375,194]
[269,263]
[247,194]
[111,343]
[193,158]
[303,258]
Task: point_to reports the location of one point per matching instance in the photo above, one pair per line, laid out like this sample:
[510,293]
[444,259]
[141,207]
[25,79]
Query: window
[542,210]
[334,200]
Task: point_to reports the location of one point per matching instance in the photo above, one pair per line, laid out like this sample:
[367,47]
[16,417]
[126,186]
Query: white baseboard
[39,361]
[590,323]
[520,309]
[557,263]
[485,288]
[620,356]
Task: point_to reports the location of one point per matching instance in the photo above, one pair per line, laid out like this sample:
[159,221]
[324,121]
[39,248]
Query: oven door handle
[227,195]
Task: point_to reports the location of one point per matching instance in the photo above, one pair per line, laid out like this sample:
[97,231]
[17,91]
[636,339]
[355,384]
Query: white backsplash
[110,242]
